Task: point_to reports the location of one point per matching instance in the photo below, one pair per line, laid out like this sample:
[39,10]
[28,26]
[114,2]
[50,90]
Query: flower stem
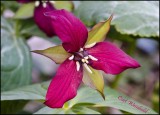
[116,81]
[17,28]
[132,48]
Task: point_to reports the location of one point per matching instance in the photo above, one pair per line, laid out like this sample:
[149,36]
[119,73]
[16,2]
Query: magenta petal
[111,59]
[64,85]
[69,28]
[43,22]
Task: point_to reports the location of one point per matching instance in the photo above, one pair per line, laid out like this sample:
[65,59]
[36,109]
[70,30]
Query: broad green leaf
[83,110]
[85,97]
[25,11]
[57,53]
[15,64]
[67,5]
[30,92]
[99,31]
[47,110]
[111,100]
[72,110]
[94,80]
[15,58]
[130,17]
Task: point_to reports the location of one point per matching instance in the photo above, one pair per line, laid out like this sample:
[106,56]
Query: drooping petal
[111,59]
[64,85]
[56,53]
[43,22]
[69,28]
[99,31]
[94,80]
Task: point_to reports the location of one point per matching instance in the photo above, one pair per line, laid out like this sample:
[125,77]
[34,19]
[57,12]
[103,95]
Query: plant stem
[17,28]
[116,81]
[131,48]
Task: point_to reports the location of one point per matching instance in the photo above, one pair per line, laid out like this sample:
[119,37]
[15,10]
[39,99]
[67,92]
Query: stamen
[86,66]
[86,57]
[92,58]
[86,61]
[71,58]
[81,49]
[83,60]
[78,65]
[90,45]
[44,5]
[37,3]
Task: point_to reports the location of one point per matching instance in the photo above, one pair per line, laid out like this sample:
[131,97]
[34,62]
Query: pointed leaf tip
[57,53]
[94,80]
[102,94]
[99,31]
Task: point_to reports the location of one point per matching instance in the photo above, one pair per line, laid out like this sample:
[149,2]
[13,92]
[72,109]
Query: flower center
[44,3]
[82,58]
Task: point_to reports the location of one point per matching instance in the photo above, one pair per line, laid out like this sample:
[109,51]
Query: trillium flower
[42,21]
[81,55]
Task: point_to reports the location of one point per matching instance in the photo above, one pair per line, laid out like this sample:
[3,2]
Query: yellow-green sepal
[99,31]
[67,5]
[57,53]
[94,80]
[25,11]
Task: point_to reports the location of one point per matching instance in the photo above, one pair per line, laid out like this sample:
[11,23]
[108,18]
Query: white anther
[81,49]
[86,57]
[53,2]
[71,58]
[44,5]
[78,65]
[86,66]
[86,61]
[92,58]
[90,45]
[37,3]
[83,60]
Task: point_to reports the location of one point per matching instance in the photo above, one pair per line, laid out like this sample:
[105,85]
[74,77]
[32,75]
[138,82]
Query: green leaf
[83,110]
[85,97]
[130,17]
[67,5]
[25,11]
[72,110]
[30,92]
[99,31]
[15,58]
[94,80]
[111,100]
[47,110]
[15,64]
[57,53]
